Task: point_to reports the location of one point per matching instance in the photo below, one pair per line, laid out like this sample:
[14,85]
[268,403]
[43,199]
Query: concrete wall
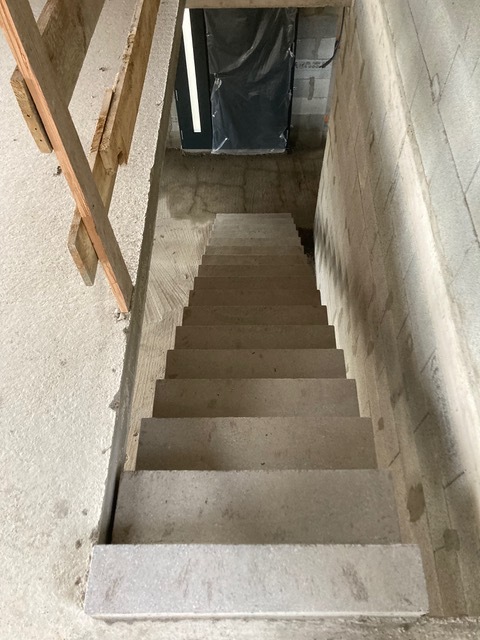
[398,263]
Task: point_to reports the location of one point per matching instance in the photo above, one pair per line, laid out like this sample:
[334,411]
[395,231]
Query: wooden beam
[66,27]
[118,134]
[171,15]
[264,4]
[79,243]
[29,51]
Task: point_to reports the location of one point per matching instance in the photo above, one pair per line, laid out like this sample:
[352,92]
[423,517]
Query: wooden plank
[30,53]
[118,134]
[264,4]
[171,13]
[79,243]
[66,27]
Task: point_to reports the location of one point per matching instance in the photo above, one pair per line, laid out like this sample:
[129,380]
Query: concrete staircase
[256,492]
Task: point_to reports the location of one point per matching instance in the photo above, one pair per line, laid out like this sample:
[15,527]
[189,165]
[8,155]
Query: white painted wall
[398,261]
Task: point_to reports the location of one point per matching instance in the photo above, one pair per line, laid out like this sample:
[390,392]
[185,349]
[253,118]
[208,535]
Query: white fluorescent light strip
[191,73]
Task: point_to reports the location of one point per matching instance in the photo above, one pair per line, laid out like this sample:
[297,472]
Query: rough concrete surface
[398,261]
[62,349]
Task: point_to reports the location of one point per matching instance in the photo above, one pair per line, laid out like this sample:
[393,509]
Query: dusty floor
[194,188]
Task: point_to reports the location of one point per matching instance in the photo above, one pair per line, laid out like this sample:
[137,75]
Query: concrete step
[256,443]
[255,398]
[252,216]
[256,507]
[265,250]
[317,336]
[252,271]
[279,235]
[271,315]
[264,282]
[282,223]
[232,241]
[256,260]
[260,363]
[128,582]
[256,297]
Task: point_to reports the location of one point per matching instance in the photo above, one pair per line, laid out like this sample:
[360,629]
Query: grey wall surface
[398,263]
[316,36]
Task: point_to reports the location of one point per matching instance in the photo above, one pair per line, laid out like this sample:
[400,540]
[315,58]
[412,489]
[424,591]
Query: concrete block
[305,106]
[128,582]
[237,336]
[261,363]
[429,128]
[256,507]
[265,250]
[257,297]
[254,271]
[461,95]
[251,398]
[251,283]
[250,315]
[473,201]
[256,443]
[256,260]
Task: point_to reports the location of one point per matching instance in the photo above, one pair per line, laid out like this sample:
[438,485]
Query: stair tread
[261,250]
[255,297]
[252,271]
[255,363]
[272,231]
[218,581]
[281,242]
[258,397]
[241,336]
[297,258]
[271,315]
[256,507]
[256,443]
[256,282]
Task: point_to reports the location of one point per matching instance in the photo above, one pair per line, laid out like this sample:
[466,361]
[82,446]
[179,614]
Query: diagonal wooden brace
[23,36]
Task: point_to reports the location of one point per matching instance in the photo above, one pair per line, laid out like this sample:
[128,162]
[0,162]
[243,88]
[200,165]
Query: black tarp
[251,58]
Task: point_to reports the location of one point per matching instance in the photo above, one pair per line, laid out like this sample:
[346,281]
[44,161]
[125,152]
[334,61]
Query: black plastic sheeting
[251,57]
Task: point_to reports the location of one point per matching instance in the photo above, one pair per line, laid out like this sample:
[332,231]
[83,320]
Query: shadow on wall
[380,276]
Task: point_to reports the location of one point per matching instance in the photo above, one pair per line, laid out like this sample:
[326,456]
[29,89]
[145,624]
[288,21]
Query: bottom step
[129,582]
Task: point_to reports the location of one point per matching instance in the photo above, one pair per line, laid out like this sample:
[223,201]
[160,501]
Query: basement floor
[195,188]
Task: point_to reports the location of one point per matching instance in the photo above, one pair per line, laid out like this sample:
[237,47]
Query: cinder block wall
[398,262]
[316,34]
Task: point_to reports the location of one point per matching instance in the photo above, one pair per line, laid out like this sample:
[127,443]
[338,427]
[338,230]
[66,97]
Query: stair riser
[227,444]
[255,337]
[277,283]
[240,297]
[251,315]
[252,398]
[256,507]
[262,363]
